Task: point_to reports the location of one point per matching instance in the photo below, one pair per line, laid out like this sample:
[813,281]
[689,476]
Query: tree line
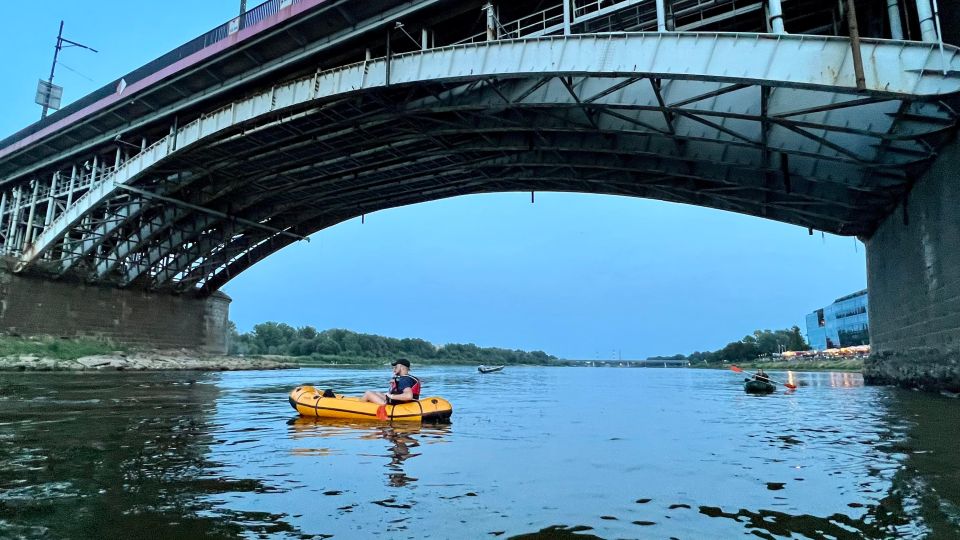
[760,343]
[283,339]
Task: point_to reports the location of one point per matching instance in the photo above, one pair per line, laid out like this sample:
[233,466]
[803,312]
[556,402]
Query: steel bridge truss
[770,126]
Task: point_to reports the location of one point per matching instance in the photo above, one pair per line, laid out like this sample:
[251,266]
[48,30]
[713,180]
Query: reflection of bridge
[303,114]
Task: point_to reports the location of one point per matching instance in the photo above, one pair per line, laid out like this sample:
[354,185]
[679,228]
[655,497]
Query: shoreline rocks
[145,361]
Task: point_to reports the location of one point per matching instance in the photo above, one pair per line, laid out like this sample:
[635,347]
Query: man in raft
[403,386]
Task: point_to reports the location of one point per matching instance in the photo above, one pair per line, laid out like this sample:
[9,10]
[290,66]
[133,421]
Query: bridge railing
[533,25]
[221,32]
[635,14]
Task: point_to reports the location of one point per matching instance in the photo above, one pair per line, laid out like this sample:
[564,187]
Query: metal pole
[240,18]
[73,182]
[661,17]
[14,216]
[28,237]
[855,45]
[174,131]
[928,29]
[566,17]
[936,18]
[893,13]
[56,53]
[424,40]
[3,208]
[491,22]
[775,14]
[51,200]
[53,68]
[387,59]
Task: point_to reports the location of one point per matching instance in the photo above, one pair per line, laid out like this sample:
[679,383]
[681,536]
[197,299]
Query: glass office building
[841,324]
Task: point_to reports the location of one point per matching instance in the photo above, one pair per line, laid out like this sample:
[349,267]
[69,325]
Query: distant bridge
[302,114]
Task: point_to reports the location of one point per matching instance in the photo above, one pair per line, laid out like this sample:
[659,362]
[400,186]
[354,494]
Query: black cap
[401,361]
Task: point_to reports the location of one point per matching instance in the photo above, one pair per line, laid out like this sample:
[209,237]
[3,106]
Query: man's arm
[406,395]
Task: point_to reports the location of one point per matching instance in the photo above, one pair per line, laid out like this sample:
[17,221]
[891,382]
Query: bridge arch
[610,114]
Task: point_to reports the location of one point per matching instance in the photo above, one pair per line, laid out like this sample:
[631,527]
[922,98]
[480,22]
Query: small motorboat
[753,386]
[489,369]
[308,401]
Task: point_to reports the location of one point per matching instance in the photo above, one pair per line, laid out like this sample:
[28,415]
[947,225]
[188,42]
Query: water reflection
[832,379]
[927,487]
[846,380]
[402,440]
[690,456]
[111,455]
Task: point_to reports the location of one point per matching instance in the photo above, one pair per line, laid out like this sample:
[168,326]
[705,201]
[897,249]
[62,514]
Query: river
[561,452]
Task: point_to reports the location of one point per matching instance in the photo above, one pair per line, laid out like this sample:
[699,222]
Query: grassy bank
[56,348]
[317,360]
[839,364]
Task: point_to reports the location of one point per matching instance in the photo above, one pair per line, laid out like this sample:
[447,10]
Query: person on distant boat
[403,386]
[761,376]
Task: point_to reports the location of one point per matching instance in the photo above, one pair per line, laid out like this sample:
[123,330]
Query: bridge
[148,195]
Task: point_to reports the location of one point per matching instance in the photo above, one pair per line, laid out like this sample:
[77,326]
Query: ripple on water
[22,532]
[39,492]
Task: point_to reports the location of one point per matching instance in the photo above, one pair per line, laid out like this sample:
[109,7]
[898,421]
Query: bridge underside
[192,168]
[770,126]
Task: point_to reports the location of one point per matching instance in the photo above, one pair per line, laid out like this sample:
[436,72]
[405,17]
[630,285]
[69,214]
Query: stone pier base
[928,369]
[913,278]
[31,306]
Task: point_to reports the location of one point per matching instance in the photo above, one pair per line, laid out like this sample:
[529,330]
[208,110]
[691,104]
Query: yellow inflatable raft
[308,401]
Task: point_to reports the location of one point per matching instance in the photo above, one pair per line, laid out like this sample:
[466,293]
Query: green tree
[279,338]
[272,338]
[796,341]
[307,332]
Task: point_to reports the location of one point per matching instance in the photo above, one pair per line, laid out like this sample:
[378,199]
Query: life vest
[415,388]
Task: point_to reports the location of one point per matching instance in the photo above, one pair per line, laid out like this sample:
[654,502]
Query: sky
[578,276]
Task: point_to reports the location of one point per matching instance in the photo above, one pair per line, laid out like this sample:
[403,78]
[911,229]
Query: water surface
[580,452]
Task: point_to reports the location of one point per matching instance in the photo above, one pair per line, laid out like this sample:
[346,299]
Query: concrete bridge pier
[31,306]
[913,278]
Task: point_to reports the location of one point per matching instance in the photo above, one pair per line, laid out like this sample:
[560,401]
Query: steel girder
[766,125]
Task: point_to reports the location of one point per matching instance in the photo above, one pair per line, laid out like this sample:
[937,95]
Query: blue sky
[578,276]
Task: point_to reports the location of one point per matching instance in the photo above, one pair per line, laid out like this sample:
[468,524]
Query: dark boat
[758,387]
[491,369]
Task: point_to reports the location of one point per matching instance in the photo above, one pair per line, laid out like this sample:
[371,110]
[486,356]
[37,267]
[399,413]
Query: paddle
[788,385]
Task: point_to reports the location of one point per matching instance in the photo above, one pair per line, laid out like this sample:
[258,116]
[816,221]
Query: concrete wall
[31,306]
[913,277]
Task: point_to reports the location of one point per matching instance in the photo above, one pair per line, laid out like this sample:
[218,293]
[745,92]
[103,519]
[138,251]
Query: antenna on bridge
[49,94]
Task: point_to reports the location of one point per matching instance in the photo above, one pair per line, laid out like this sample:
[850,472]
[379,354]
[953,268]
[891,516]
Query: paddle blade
[790,386]
[382,412]
[736,369]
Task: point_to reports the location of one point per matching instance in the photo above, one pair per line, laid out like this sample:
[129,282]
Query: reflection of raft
[308,401]
[758,387]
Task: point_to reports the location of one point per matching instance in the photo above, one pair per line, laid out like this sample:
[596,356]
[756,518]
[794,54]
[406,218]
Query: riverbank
[57,354]
[54,354]
[364,361]
[143,361]
[839,364]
